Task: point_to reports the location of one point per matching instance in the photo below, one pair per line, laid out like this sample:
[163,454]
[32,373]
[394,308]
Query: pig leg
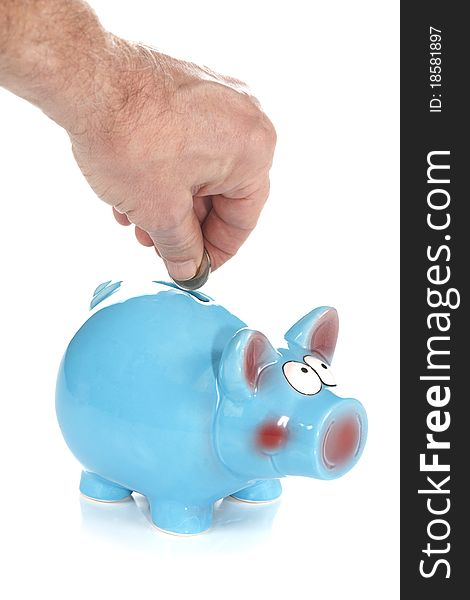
[97,488]
[180,518]
[260,491]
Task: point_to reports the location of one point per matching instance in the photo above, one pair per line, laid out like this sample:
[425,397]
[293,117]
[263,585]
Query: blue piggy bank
[168,394]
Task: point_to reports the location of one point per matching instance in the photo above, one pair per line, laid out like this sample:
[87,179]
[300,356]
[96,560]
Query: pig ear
[243,359]
[316,332]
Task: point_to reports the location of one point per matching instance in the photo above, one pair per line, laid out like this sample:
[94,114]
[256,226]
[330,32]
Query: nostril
[341,441]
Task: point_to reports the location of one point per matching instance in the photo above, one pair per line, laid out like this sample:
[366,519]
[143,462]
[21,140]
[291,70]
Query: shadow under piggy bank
[236,525]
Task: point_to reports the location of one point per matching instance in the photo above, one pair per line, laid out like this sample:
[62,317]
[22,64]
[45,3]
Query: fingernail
[182,270]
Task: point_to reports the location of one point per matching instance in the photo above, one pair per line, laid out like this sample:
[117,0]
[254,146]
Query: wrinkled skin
[185,157]
[179,151]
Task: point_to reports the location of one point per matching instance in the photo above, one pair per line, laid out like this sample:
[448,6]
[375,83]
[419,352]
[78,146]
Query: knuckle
[175,239]
[263,136]
[269,131]
[169,221]
[158,216]
[273,136]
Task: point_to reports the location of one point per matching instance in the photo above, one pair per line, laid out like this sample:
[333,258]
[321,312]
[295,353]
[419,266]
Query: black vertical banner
[435,321]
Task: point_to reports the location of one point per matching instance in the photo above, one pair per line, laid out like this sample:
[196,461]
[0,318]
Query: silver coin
[202,275]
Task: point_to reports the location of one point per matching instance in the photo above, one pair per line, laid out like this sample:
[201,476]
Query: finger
[202,207]
[230,222]
[121,218]
[143,237]
[179,242]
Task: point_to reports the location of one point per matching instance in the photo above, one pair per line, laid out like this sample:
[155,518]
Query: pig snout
[341,438]
[341,441]
[324,438]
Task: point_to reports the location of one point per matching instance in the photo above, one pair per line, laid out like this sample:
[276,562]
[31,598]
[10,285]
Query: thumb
[180,243]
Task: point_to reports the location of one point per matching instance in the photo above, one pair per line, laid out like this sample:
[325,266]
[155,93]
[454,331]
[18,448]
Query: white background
[327,75]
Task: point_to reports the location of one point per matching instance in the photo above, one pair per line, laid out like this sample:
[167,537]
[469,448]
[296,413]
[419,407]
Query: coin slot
[198,295]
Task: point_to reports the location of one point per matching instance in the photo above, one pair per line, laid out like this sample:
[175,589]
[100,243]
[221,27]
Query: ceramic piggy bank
[170,395]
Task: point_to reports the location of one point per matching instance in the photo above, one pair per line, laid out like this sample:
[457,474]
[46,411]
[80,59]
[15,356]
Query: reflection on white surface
[236,526]
[325,237]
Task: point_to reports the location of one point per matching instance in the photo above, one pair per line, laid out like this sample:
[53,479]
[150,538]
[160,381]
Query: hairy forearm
[53,53]
[179,151]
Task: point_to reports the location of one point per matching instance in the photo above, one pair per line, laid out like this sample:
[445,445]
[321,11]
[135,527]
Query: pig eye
[321,369]
[302,378]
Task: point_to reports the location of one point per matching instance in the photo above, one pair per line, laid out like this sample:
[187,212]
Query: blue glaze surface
[170,395]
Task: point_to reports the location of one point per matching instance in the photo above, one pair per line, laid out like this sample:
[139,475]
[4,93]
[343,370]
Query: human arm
[179,151]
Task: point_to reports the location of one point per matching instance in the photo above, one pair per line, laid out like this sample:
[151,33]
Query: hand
[177,150]
[180,152]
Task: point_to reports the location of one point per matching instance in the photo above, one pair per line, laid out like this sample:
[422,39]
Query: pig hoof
[179,518]
[97,488]
[261,491]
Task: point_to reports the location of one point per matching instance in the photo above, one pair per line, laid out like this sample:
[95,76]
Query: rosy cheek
[270,436]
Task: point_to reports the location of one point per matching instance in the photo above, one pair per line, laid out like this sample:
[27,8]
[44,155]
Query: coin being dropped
[202,275]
